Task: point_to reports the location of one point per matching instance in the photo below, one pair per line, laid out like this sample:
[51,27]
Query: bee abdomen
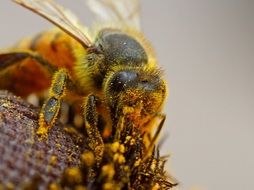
[54,45]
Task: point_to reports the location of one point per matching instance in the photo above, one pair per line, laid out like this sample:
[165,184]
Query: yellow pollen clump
[121,159]
[115,146]
[54,186]
[74,174]
[122,148]
[53,160]
[108,186]
[137,163]
[132,142]
[108,171]
[128,110]
[88,158]
[156,187]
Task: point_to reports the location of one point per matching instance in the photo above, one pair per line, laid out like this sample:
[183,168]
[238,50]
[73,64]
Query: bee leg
[50,109]
[16,57]
[91,125]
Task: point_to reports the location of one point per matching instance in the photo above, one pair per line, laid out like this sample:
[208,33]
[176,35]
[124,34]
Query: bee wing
[124,11]
[59,16]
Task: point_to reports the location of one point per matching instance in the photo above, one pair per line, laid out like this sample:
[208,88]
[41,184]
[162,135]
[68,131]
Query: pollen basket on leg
[59,84]
[50,110]
[48,115]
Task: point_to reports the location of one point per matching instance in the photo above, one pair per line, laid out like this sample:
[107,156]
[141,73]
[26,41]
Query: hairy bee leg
[15,57]
[156,135]
[50,109]
[91,124]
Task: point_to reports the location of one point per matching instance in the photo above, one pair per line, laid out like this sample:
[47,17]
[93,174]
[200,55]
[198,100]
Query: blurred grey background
[206,48]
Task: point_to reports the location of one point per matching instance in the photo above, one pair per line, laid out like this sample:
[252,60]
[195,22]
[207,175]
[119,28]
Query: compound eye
[122,79]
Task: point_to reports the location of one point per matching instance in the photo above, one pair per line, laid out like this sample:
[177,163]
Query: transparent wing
[124,11]
[59,16]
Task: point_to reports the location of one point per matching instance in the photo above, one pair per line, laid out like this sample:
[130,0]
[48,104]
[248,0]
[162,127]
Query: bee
[110,68]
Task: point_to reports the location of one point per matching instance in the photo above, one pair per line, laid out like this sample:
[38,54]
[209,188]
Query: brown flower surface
[26,161]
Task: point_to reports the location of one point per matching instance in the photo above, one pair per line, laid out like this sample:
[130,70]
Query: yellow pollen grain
[128,138]
[137,163]
[88,158]
[108,186]
[121,159]
[74,174]
[132,142]
[122,148]
[156,187]
[53,160]
[115,146]
[126,168]
[54,186]
[108,170]
[116,157]
[128,110]
[42,131]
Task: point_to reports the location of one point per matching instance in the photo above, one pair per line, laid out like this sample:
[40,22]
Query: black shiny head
[131,79]
[135,87]
[120,48]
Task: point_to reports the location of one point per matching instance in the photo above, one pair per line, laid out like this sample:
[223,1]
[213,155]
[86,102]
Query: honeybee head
[119,48]
[136,93]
